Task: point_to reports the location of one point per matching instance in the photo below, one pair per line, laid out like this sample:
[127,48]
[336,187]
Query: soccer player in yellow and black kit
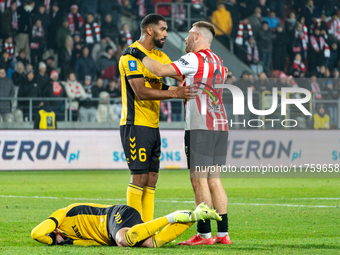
[87,224]
[141,95]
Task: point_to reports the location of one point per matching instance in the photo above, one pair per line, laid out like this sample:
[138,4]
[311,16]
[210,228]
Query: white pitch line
[289,205]
[168,201]
[316,198]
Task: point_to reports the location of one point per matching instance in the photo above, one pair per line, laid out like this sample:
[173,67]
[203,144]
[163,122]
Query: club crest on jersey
[132,65]
[213,105]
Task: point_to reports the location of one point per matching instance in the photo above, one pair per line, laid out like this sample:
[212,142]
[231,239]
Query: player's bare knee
[120,238]
[152,179]
[139,179]
[198,183]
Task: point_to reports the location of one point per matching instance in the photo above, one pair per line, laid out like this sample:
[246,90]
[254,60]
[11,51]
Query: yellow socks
[142,231]
[148,203]
[134,196]
[169,233]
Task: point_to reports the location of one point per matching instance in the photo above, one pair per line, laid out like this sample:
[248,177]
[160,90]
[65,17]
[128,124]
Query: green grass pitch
[266,216]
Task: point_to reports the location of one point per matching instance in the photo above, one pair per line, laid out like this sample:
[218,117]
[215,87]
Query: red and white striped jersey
[205,69]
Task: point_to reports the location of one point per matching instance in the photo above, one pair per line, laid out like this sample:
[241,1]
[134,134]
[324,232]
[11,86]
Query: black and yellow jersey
[84,221]
[45,120]
[135,111]
[87,224]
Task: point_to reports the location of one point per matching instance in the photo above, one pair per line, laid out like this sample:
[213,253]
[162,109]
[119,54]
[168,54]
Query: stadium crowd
[71,49]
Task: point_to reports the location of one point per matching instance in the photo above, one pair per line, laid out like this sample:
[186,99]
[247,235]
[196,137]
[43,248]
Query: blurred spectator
[100,48]
[87,107]
[96,89]
[9,20]
[56,17]
[263,83]
[77,46]
[320,119]
[38,41]
[104,110]
[272,20]
[299,42]
[244,32]
[56,90]
[278,6]
[232,7]
[44,17]
[315,87]
[25,25]
[62,33]
[143,8]
[107,65]
[318,50]
[115,92]
[90,32]
[221,18]
[322,22]
[45,118]
[19,75]
[298,69]
[125,37]
[307,12]
[29,89]
[6,90]
[165,111]
[42,77]
[290,24]
[331,6]
[109,29]
[89,6]
[85,66]
[264,8]
[66,59]
[253,56]
[4,59]
[8,46]
[265,43]
[255,20]
[75,20]
[280,45]
[49,64]
[22,57]
[75,91]
[243,82]
[110,7]
[334,26]
[320,73]
[179,14]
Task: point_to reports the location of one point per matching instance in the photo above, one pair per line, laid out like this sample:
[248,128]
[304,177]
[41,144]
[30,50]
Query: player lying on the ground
[118,225]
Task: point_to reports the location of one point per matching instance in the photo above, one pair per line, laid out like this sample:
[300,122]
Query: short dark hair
[151,19]
[206,25]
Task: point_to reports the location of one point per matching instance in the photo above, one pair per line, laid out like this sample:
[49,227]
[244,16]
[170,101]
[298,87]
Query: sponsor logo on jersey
[132,65]
[153,80]
[183,61]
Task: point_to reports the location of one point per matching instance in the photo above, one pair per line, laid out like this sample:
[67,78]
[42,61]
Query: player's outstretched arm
[145,93]
[152,65]
[40,232]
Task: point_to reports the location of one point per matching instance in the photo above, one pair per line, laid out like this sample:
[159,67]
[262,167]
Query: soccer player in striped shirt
[206,132]
[88,224]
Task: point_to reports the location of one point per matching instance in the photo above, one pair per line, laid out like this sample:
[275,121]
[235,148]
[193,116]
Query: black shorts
[205,147]
[142,147]
[122,216]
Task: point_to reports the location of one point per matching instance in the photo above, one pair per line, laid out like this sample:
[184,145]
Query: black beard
[158,43]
